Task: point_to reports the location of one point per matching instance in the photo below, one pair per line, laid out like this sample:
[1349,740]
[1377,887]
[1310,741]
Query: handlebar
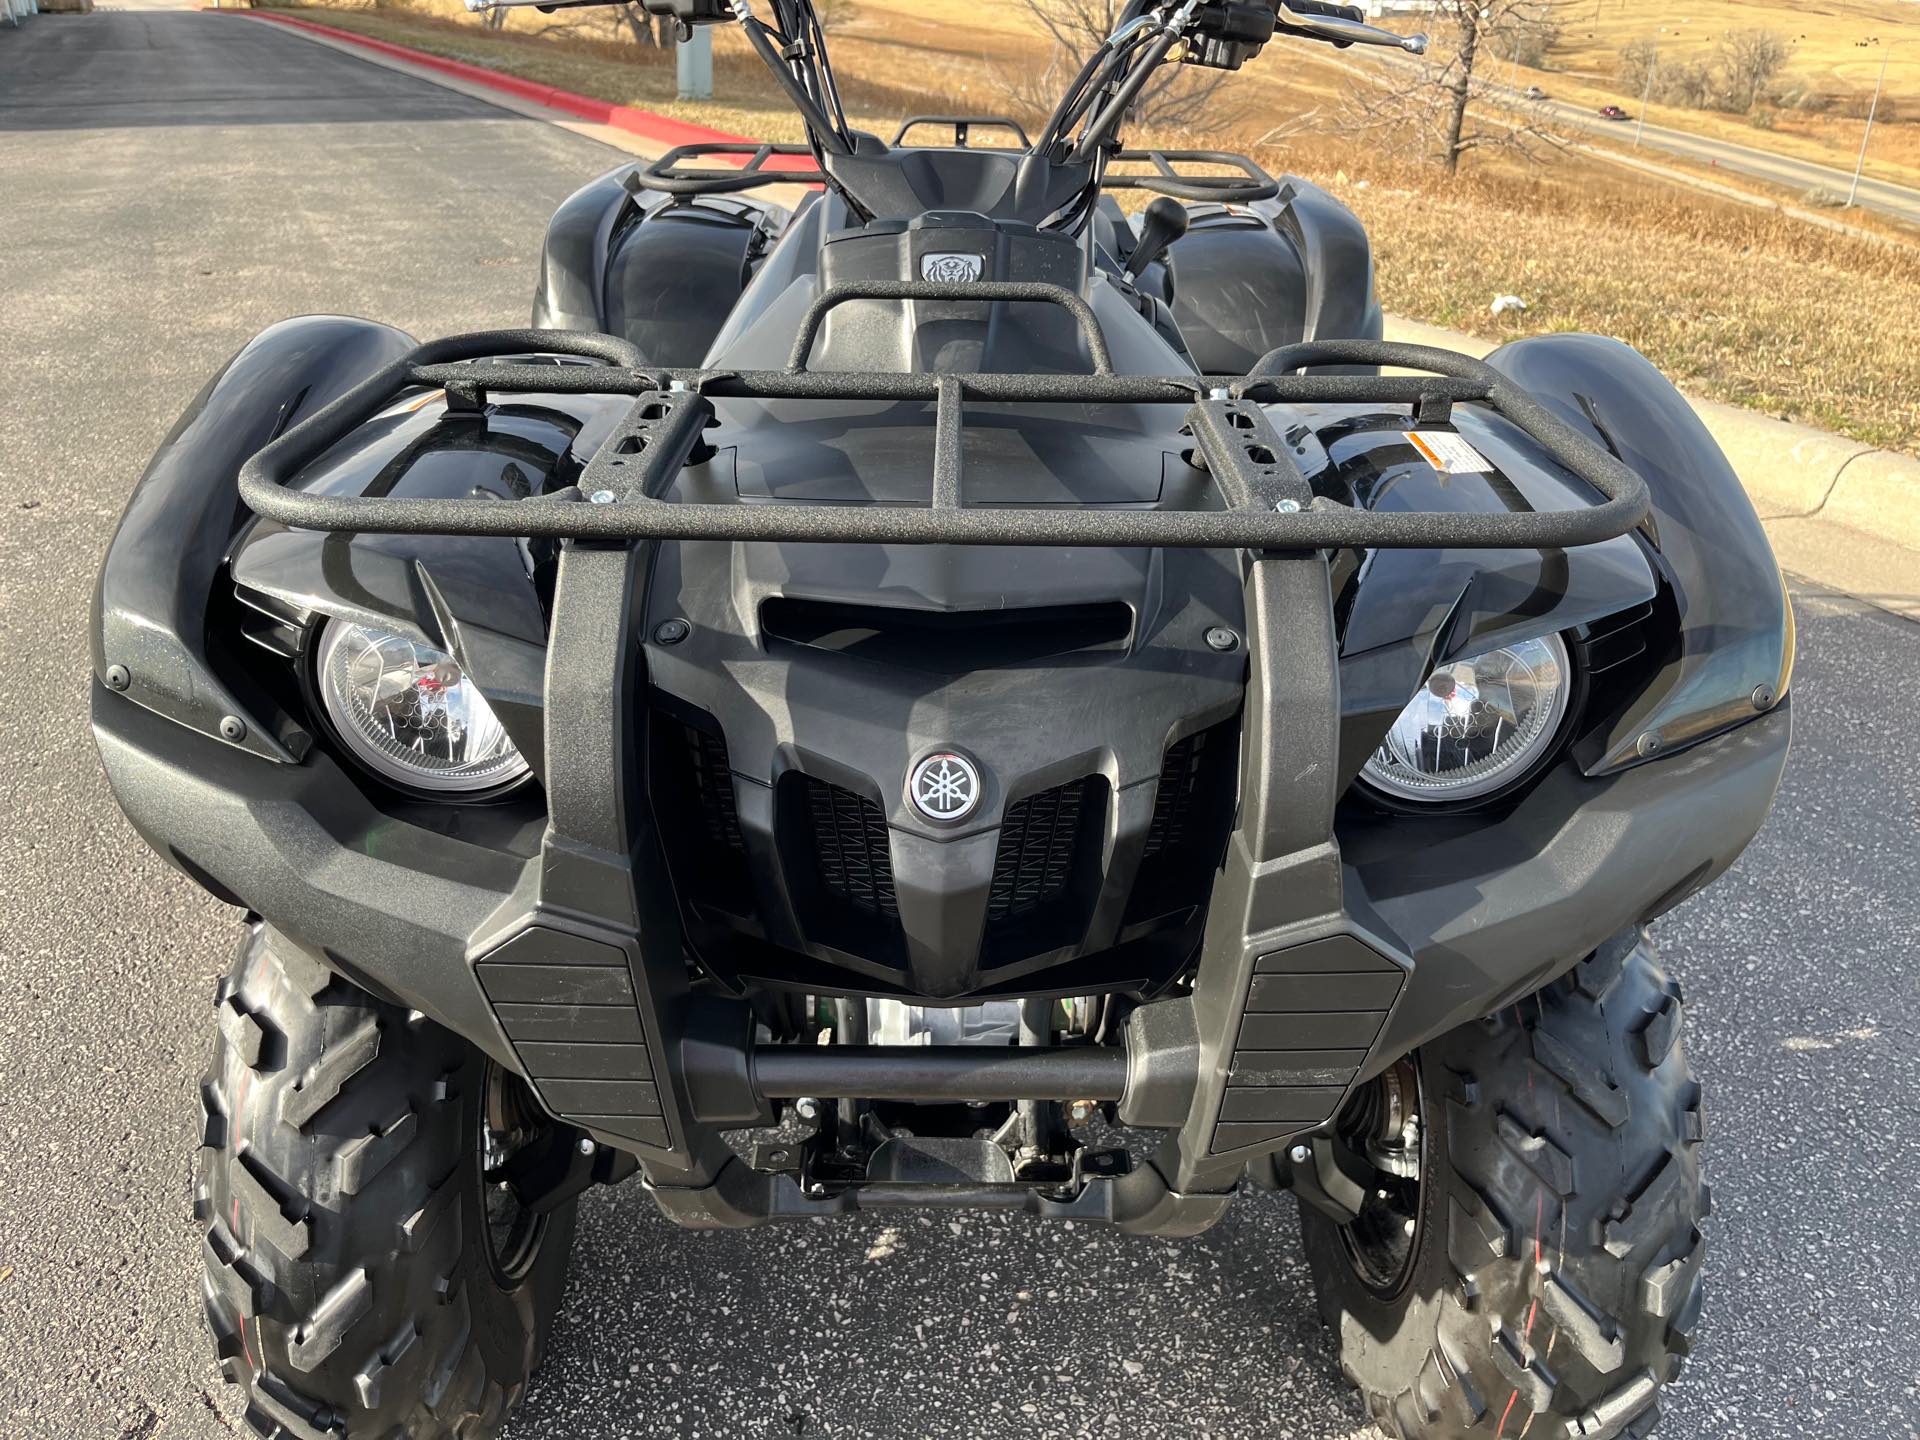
[1341,25]
[1061,170]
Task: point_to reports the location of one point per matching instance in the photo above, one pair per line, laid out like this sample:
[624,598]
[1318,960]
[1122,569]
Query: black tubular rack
[745,166]
[1265,503]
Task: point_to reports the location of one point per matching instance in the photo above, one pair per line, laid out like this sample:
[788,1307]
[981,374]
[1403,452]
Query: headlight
[408,714]
[1477,725]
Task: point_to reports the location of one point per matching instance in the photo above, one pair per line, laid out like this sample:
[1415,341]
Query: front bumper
[1424,935]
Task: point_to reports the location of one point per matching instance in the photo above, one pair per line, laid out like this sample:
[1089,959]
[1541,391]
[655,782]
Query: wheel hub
[1385,1128]
[510,1121]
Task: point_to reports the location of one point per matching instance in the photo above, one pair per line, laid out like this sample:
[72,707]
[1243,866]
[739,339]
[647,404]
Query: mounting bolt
[1288,507]
[672,632]
[233,728]
[1222,639]
[1649,743]
[587,1147]
[1300,1154]
[807,1108]
[118,678]
[601,497]
[1762,695]
[1081,1112]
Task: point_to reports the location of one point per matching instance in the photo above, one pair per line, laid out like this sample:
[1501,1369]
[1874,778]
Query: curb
[648,124]
[1791,471]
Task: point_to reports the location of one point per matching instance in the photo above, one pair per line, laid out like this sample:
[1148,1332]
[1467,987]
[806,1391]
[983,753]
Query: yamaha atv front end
[965,714]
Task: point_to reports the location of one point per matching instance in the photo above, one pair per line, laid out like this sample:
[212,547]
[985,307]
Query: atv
[947,695]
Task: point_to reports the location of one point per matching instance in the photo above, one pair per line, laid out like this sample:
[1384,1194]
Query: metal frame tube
[940,1072]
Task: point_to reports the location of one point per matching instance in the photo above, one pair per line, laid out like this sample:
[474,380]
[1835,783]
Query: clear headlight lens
[1476,725]
[408,714]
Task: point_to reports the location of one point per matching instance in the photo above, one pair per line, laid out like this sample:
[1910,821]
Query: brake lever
[1342,31]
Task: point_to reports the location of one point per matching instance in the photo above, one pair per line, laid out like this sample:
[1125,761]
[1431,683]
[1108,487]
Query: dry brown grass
[1737,304]
[1827,57]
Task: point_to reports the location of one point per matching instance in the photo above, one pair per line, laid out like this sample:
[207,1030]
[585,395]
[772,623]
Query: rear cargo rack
[1252,183]
[764,164]
[1258,498]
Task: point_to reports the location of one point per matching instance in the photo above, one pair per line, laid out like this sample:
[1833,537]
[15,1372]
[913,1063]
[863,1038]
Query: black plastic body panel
[1245,280]
[661,274]
[150,607]
[1728,650]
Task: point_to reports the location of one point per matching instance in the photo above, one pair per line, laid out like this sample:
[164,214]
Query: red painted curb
[647,124]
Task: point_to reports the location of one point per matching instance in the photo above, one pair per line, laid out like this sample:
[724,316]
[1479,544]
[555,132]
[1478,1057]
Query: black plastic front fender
[1727,653]
[150,633]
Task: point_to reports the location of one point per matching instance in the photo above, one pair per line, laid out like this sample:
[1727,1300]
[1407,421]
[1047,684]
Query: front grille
[691,784]
[1037,843]
[850,848]
[1173,798]
[1046,871]
[1192,812]
[713,783]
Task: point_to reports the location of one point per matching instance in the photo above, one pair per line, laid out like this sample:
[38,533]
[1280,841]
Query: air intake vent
[1615,640]
[1037,845]
[1046,871]
[1173,799]
[850,846]
[713,783]
[1192,809]
[947,642]
[691,783]
[838,868]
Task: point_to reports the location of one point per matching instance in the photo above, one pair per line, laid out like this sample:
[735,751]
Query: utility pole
[1853,191]
[1646,94]
[693,63]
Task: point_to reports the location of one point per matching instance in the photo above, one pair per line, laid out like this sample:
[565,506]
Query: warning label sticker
[1448,453]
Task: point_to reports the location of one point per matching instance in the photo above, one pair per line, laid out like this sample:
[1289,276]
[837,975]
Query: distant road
[1900,201]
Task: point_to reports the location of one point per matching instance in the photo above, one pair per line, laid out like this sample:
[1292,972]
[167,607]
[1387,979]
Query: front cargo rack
[1264,502]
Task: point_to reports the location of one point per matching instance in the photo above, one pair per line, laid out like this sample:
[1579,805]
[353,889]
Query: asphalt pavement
[170,183]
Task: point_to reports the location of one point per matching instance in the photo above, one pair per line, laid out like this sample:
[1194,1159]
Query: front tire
[357,1281]
[1550,1282]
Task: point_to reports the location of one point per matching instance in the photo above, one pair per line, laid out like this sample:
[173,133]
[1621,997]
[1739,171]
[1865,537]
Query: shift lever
[1164,222]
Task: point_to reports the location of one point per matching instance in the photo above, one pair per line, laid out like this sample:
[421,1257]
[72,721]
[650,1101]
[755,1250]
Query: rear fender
[1247,279]
[660,274]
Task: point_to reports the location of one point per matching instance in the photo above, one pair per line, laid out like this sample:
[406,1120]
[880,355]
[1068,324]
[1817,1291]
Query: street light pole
[693,63]
[1859,164]
[1646,94]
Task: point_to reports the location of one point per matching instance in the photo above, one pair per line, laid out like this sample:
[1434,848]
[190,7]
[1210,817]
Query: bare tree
[1746,61]
[1429,105]
[1732,78]
[1177,95]
[1528,41]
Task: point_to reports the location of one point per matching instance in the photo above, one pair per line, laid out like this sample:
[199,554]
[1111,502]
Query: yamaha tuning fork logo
[944,786]
[949,269]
